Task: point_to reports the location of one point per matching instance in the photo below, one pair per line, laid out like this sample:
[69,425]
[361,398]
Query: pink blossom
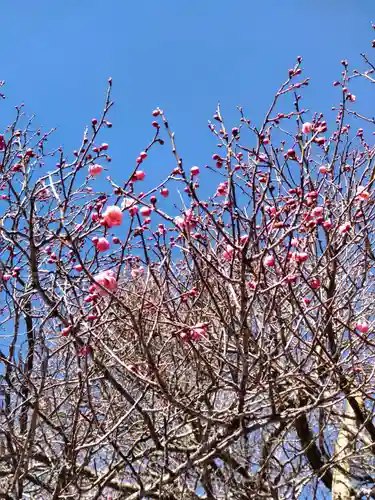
[307,128]
[137,271]
[84,351]
[327,224]
[107,280]
[312,194]
[269,261]
[102,244]
[139,175]
[130,205]
[127,203]
[186,221]
[228,253]
[294,242]
[198,331]
[291,154]
[271,210]
[179,221]
[133,210]
[306,301]
[164,192]
[65,331]
[161,229]
[113,216]
[252,285]
[301,257]
[317,211]
[194,171]
[344,228]
[145,211]
[291,278]
[323,169]
[222,189]
[2,143]
[315,283]
[362,194]
[362,327]
[95,169]
[320,140]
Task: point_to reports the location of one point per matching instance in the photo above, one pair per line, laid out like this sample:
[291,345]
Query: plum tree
[225,351]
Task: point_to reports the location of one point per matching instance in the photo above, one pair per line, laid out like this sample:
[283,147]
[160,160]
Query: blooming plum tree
[225,351]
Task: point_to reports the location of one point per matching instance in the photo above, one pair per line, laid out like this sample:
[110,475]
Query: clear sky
[183,56]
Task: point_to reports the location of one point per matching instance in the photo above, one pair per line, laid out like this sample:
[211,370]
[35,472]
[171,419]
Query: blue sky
[183,56]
